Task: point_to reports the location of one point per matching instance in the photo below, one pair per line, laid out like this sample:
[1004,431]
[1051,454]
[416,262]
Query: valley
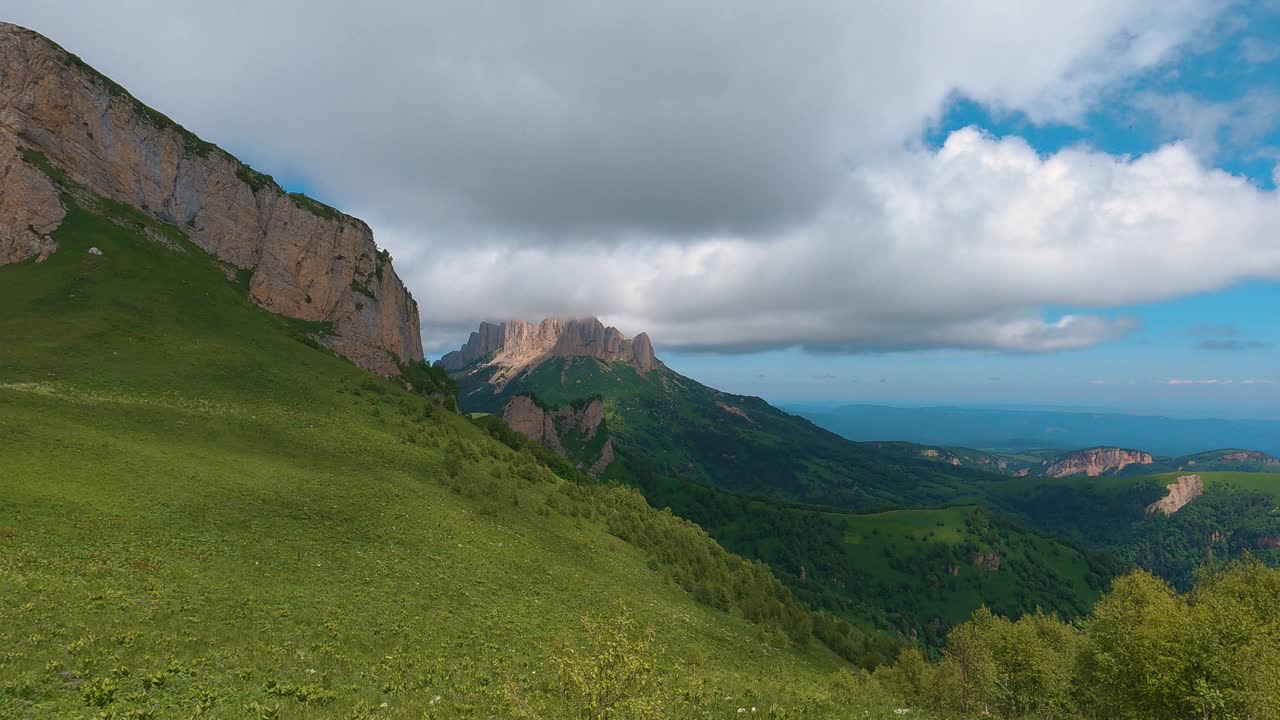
[773,487]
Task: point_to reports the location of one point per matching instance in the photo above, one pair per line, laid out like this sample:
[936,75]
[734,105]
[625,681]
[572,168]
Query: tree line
[1145,651]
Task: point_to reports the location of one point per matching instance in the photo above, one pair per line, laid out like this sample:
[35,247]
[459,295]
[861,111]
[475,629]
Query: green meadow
[203,512]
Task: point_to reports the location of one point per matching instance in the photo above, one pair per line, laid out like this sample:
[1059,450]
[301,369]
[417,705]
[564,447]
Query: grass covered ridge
[204,514]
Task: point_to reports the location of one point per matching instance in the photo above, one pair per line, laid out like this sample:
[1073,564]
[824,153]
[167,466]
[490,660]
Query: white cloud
[953,248]
[725,176]
[1214,128]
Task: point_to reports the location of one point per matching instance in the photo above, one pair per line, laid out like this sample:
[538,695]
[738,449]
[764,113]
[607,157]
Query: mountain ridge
[1094,461]
[303,259]
[515,346]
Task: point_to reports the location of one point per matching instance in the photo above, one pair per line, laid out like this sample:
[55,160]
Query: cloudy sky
[995,202]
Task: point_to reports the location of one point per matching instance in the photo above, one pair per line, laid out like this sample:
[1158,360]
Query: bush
[610,669]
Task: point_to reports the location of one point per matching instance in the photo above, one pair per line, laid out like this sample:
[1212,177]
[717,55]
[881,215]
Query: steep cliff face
[516,346]
[1094,461]
[576,432]
[308,260]
[1180,492]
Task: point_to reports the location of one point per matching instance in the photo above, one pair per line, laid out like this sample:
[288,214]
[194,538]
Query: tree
[966,677]
[1135,661]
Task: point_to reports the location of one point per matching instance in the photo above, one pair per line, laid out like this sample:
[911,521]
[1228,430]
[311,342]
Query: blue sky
[1206,354]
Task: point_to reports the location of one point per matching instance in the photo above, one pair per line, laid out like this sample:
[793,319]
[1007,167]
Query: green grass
[315,207]
[202,513]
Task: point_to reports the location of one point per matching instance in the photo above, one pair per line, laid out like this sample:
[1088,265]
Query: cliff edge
[308,260]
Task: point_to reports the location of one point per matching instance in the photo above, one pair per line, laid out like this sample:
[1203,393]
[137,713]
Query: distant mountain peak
[515,346]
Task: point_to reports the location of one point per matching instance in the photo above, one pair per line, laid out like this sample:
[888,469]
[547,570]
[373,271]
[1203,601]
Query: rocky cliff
[576,432]
[1180,492]
[515,346]
[1094,461]
[308,261]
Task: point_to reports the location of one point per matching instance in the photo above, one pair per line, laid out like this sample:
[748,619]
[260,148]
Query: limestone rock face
[515,346]
[581,422]
[1186,489]
[1094,462]
[525,417]
[308,261]
[642,353]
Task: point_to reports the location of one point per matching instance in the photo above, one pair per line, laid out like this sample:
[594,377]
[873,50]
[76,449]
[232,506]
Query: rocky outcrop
[1249,456]
[1181,492]
[29,207]
[515,346]
[734,410]
[602,462]
[526,417]
[935,454]
[308,260]
[1094,462]
[575,425]
[642,356]
[987,562]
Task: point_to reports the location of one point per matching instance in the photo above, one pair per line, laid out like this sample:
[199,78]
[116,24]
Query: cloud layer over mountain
[725,176]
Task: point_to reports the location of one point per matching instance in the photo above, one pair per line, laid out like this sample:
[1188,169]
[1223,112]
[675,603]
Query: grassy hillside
[684,429]
[772,486]
[202,512]
[1235,517]
[915,572]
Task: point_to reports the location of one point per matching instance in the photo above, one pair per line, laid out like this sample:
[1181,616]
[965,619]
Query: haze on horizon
[1005,204]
